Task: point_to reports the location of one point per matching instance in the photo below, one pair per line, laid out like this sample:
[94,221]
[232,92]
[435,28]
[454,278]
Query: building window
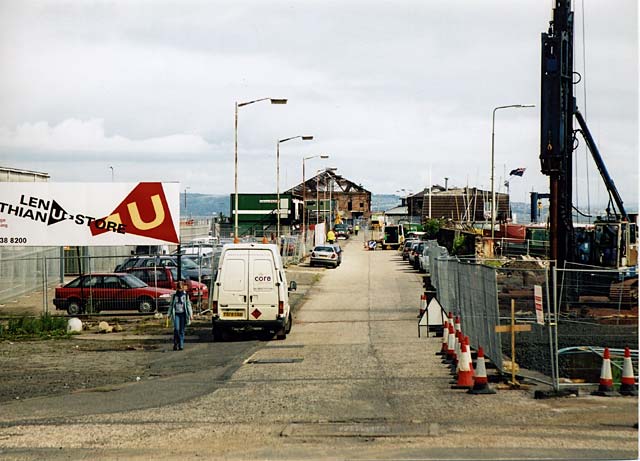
[361,205]
[350,205]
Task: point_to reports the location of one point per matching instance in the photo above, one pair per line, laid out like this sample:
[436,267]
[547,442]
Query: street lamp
[111,173]
[235,220]
[493,134]
[304,196]
[185,199]
[304,138]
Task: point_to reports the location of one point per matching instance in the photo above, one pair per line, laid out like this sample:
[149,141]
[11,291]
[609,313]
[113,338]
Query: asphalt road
[351,381]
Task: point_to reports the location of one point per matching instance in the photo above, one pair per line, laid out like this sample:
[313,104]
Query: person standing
[181,314]
[331,236]
[356,229]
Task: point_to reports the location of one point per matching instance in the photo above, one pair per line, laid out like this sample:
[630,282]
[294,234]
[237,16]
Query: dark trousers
[179,324]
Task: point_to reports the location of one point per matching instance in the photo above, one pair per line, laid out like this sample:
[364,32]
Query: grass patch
[44,327]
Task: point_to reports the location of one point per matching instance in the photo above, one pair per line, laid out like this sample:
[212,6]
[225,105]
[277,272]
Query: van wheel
[217,335]
[282,334]
[289,324]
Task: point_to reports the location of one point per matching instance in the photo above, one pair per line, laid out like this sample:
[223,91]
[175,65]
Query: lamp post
[185,199]
[304,197]
[238,105]
[493,134]
[111,173]
[304,138]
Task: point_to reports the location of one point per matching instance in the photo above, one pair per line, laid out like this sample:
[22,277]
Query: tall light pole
[493,135]
[304,138]
[304,196]
[185,199]
[235,131]
[111,173]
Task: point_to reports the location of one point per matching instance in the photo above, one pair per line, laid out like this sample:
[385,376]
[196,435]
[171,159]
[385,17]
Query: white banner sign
[537,295]
[89,214]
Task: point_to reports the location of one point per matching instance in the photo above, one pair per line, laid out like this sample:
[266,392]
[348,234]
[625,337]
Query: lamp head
[324,156]
[307,138]
[278,101]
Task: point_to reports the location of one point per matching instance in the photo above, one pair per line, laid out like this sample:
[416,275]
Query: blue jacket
[187,308]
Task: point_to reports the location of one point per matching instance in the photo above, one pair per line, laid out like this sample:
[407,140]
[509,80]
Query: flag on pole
[517,172]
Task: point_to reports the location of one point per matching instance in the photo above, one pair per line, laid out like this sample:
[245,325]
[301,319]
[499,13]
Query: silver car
[324,255]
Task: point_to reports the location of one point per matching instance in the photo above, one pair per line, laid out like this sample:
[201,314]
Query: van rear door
[233,291]
[263,291]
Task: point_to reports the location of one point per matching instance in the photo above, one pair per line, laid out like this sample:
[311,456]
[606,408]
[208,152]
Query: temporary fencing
[578,313]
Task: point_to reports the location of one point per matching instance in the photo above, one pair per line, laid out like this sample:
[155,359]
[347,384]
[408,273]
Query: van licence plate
[233,313]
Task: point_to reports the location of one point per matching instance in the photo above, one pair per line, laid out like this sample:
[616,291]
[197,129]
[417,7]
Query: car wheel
[311,264]
[74,307]
[281,334]
[146,305]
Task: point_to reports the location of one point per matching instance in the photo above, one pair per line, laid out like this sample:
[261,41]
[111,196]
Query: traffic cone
[451,342]
[465,379]
[606,380]
[469,359]
[481,381]
[445,339]
[456,354]
[423,304]
[628,384]
[457,323]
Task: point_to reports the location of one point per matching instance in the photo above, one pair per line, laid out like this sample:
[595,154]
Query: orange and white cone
[468,357]
[465,378]
[606,379]
[457,323]
[481,381]
[628,384]
[451,342]
[445,339]
[423,304]
[457,352]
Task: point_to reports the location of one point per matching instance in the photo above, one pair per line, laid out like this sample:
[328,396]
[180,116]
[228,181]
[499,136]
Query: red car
[108,291]
[167,277]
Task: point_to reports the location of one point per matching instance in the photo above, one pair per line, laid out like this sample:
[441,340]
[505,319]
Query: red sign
[144,212]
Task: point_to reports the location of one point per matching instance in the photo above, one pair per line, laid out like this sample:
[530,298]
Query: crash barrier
[577,311]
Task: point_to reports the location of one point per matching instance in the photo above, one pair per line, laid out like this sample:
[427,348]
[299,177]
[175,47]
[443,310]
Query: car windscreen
[188,264]
[133,282]
[329,249]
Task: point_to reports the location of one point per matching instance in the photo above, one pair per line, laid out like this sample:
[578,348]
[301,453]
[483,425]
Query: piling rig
[614,242]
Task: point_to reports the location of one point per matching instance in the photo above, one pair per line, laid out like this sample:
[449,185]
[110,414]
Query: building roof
[323,180]
[398,211]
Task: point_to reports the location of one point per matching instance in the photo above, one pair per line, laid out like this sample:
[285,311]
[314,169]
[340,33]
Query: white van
[250,291]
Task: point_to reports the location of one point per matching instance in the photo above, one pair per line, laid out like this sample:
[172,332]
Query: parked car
[405,249]
[109,291]
[339,252]
[417,251]
[167,277]
[424,258]
[412,252]
[341,231]
[324,255]
[190,269]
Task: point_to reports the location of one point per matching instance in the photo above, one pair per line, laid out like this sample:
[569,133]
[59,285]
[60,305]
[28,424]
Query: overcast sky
[390,89]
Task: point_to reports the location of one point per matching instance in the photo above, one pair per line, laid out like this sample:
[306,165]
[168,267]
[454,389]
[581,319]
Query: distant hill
[206,205]
[382,202]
